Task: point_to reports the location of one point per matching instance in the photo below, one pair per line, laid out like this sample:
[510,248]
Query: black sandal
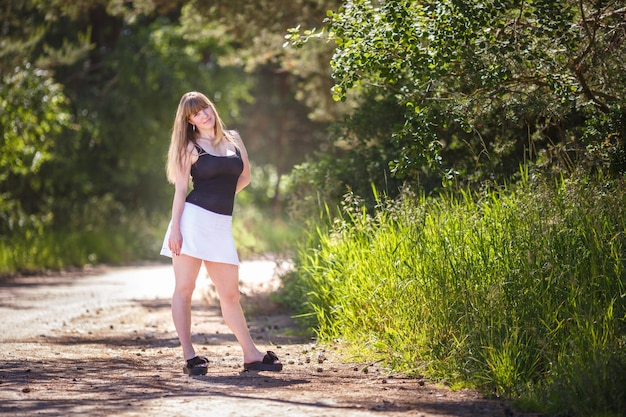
[197,365]
[270,363]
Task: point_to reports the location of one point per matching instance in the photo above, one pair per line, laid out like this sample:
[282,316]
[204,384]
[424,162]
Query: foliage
[484,85]
[357,159]
[33,109]
[519,291]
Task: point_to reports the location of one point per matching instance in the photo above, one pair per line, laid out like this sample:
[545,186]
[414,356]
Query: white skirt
[206,235]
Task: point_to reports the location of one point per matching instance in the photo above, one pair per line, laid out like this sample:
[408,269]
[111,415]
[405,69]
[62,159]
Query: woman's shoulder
[233,134]
[234,137]
[192,147]
[193,151]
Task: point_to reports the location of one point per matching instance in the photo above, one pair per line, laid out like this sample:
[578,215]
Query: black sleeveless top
[215,181]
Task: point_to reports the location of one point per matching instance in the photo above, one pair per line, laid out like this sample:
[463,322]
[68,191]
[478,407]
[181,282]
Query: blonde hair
[184,133]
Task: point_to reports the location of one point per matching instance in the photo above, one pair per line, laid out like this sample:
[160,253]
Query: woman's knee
[226,280]
[184,287]
[186,272]
[184,290]
[230,296]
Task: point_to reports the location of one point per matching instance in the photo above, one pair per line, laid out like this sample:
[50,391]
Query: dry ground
[103,344]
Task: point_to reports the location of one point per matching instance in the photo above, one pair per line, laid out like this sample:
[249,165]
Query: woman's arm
[244,178]
[181,185]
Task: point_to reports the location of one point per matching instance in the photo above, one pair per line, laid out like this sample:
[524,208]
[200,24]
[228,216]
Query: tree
[482,84]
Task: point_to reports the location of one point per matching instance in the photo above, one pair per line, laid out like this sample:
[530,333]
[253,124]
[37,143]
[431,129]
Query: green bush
[519,291]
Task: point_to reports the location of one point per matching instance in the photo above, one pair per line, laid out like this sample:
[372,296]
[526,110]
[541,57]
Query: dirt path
[103,344]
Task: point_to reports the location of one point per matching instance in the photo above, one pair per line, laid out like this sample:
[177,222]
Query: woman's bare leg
[186,271]
[226,280]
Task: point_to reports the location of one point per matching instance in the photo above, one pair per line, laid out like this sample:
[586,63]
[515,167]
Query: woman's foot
[198,365]
[270,362]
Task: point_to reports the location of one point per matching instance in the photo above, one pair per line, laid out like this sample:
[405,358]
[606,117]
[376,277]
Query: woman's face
[203,119]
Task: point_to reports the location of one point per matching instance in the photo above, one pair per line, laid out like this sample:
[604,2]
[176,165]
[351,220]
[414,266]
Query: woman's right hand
[175,242]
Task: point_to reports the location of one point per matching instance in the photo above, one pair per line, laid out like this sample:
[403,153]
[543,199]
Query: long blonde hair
[184,133]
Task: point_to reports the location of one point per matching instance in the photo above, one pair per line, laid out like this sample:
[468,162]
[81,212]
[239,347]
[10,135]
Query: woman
[200,230]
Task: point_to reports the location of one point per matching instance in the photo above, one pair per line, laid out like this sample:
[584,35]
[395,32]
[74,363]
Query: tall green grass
[520,291]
